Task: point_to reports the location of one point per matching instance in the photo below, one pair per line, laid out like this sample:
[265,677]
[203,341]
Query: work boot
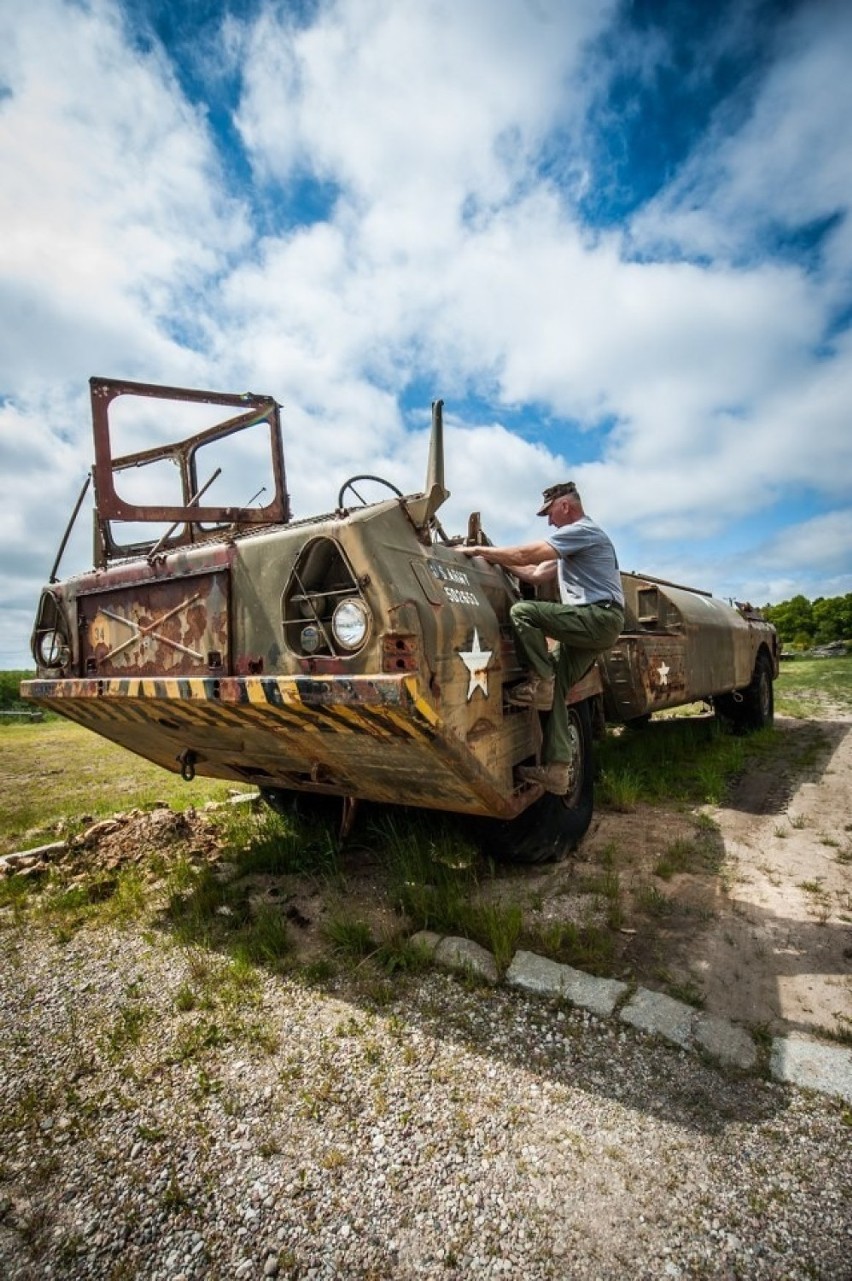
[536,692]
[556,777]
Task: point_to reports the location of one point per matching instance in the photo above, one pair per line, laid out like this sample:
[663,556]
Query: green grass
[805,686]
[428,872]
[682,856]
[127,1027]
[673,759]
[217,913]
[693,759]
[115,899]
[586,946]
[214,908]
[653,901]
[59,773]
[435,877]
[348,936]
[263,843]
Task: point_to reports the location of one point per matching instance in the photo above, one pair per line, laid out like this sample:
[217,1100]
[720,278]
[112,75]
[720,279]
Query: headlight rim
[52,650]
[364,619]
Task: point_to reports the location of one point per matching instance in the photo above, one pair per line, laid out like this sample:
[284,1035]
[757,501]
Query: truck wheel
[553,825]
[755,709]
[760,695]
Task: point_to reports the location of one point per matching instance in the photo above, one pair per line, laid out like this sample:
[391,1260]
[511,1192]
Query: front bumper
[378,738]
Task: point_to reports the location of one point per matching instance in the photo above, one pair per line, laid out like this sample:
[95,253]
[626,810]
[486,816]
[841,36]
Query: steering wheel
[350,484]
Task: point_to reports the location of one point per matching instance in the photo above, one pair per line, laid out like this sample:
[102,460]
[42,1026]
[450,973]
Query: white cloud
[825,540]
[786,166]
[447,260]
[111,207]
[411,103]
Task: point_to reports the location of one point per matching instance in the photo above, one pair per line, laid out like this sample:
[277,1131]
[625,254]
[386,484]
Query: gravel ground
[166,1117]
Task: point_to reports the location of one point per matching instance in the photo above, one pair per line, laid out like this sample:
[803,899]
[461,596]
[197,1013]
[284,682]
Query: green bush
[10,687]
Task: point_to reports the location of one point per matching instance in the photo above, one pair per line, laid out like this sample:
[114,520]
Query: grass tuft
[587,947]
[349,937]
[681,759]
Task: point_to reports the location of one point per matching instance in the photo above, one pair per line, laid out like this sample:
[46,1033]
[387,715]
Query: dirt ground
[756,928]
[780,951]
[768,941]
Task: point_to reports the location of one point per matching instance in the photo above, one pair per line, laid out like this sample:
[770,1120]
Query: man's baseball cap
[550,495]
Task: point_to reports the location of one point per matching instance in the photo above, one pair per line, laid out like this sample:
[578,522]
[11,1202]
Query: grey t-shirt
[588,566]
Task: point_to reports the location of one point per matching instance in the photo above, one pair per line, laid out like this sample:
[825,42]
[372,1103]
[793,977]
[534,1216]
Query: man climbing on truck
[586,620]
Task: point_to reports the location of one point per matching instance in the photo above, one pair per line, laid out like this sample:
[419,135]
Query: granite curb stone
[725,1041]
[794,1060]
[537,974]
[463,955]
[798,1060]
[459,954]
[660,1014]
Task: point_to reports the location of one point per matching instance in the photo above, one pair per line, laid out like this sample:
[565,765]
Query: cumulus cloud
[413,105]
[111,209]
[826,540]
[783,168]
[448,153]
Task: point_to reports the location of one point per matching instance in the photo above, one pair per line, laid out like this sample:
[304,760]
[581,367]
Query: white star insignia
[664,670]
[476,660]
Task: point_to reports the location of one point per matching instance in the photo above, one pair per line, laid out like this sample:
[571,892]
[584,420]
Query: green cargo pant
[582,632]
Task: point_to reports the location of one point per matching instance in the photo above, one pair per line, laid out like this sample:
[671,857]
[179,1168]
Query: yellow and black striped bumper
[377,738]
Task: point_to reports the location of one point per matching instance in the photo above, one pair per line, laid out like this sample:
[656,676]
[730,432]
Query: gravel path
[167,1115]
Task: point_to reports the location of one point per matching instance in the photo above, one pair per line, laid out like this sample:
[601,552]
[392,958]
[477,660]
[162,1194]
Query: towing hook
[187,760]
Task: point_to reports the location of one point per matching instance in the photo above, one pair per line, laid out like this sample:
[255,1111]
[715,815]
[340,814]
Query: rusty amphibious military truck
[357,654]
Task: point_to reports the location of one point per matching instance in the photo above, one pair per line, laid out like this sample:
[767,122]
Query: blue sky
[613,237]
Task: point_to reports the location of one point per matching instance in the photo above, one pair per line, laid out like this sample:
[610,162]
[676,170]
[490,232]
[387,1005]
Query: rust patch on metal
[179,627]
[400,653]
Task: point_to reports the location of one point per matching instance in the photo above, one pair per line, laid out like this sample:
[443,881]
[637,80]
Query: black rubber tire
[554,825]
[755,709]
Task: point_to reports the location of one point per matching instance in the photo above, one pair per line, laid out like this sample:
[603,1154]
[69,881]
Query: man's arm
[515,558]
[536,573]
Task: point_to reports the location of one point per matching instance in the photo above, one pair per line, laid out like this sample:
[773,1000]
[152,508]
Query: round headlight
[350,623]
[51,649]
[311,638]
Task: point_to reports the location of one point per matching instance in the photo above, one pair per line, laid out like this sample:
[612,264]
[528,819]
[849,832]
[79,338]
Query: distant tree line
[10,683]
[802,623]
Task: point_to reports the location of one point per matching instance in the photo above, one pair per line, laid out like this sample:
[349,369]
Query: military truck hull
[186,666]
[358,654]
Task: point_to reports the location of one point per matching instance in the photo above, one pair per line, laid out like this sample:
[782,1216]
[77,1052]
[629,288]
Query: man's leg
[532,622]
[558,746]
[597,628]
[586,629]
[530,628]
[582,633]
